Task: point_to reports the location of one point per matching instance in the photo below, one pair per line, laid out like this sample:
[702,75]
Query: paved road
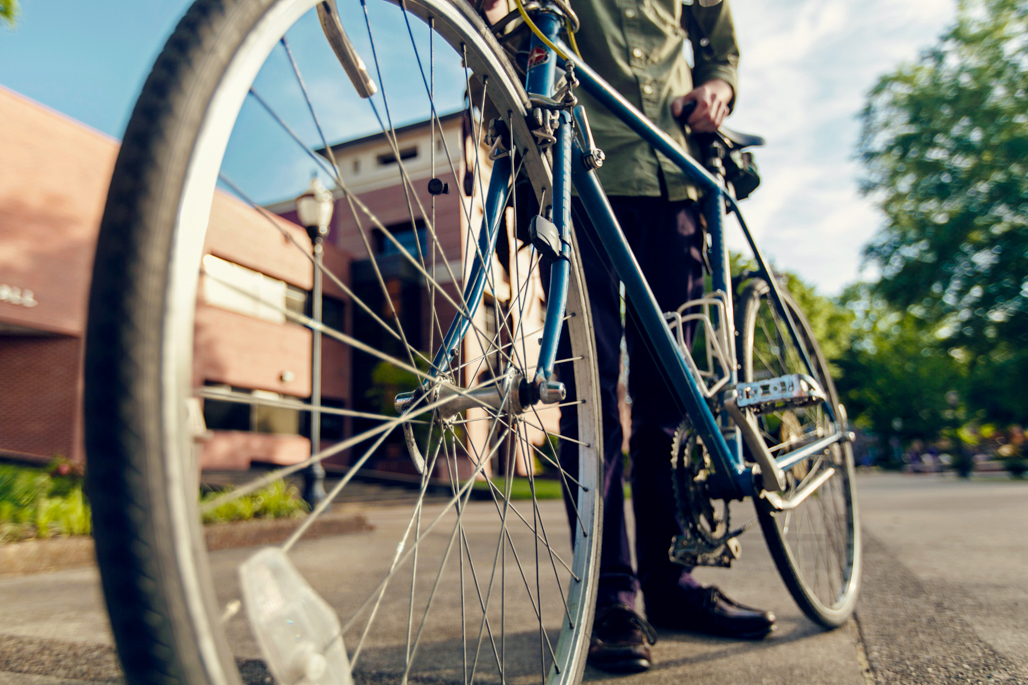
[944,601]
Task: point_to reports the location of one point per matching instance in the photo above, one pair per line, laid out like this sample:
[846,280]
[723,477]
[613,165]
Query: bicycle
[467,390]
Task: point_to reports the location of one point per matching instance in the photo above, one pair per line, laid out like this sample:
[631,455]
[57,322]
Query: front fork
[511,392]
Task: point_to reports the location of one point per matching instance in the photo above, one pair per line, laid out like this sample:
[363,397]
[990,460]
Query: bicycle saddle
[740,140]
[733,139]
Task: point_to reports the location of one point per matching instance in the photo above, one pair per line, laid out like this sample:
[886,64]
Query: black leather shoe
[619,640]
[707,610]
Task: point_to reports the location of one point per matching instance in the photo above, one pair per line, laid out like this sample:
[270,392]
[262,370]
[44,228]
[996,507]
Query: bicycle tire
[819,562]
[162,587]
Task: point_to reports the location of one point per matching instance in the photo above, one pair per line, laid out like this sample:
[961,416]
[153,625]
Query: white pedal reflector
[297,630]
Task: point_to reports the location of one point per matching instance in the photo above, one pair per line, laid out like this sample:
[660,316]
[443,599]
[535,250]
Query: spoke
[564,477]
[497,492]
[489,587]
[335,279]
[351,341]
[539,427]
[242,398]
[462,492]
[325,503]
[537,515]
[390,135]
[353,200]
[320,456]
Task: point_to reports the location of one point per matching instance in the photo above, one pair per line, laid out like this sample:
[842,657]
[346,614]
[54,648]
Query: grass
[520,488]
[276,501]
[47,502]
[42,503]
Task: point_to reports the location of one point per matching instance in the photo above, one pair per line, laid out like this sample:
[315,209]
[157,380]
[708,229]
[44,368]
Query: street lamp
[314,210]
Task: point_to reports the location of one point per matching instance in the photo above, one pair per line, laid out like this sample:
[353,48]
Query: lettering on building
[18,296]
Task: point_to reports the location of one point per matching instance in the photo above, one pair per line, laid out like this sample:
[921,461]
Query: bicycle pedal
[793,390]
[685,551]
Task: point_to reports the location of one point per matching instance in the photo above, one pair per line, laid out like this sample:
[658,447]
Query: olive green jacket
[637,47]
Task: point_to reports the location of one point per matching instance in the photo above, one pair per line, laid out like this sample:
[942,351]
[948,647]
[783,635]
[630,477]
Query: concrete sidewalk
[944,597]
[53,628]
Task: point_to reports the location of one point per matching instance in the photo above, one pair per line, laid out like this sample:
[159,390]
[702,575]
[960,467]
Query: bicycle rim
[205,301]
[816,546]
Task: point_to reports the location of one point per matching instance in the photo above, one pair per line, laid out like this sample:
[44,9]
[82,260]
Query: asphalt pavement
[944,600]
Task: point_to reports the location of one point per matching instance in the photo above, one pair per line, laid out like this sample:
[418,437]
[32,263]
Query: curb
[38,556]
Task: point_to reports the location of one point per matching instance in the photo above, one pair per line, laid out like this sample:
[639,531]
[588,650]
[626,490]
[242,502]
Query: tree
[896,379]
[8,11]
[945,145]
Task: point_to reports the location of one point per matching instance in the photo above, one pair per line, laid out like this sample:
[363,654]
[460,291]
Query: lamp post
[314,210]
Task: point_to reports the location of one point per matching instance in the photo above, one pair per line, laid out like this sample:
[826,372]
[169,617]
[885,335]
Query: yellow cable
[571,39]
[539,34]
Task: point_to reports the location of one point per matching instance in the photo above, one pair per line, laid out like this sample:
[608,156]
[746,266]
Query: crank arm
[771,473]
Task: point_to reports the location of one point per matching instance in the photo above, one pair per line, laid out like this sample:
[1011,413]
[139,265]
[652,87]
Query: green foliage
[9,12]
[830,321]
[275,501]
[945,145]
[896,376]
[521,488]
[41,503]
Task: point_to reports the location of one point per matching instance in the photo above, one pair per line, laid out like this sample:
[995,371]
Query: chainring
[707,538]
[696,512]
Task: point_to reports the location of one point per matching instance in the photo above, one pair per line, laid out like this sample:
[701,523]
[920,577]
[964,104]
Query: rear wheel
[224,338]
[816,546]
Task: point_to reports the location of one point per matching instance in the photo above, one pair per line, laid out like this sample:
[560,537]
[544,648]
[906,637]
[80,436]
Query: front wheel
[229,349]
[816,546]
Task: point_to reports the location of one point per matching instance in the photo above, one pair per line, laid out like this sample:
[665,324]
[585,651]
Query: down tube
[687,395]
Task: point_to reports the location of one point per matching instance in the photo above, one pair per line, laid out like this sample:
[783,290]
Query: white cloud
[806,68]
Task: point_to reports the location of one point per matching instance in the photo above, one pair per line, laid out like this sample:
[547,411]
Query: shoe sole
[626,666]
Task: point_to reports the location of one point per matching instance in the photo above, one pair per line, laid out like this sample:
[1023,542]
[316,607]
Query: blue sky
[807,65]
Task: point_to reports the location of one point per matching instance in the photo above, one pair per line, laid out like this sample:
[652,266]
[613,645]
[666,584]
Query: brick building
[53,183]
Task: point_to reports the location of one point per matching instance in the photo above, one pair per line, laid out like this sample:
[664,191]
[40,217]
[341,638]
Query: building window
[222,415]
[390,157]
[356,166]
[333,313]
[230,286]
[226,416]
[333,426]
[407,235]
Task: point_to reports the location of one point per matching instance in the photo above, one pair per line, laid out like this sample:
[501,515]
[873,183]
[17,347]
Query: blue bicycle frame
[734,478]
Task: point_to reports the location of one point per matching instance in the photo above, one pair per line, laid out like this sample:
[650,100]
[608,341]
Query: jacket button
[630,13]
[637,53]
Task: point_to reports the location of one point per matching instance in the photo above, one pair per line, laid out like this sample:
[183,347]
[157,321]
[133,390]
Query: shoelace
[635,619]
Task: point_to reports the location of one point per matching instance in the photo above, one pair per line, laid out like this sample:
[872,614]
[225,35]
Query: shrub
[278,500]
[41,503]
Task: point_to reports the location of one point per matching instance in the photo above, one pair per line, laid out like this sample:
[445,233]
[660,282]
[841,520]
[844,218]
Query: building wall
[40,405]
[54,174]
[53,181]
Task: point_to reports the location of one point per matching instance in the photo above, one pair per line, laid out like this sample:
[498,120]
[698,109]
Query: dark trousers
[667,242]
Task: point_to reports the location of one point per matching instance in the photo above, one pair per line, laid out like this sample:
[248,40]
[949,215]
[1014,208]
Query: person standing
[660,55]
